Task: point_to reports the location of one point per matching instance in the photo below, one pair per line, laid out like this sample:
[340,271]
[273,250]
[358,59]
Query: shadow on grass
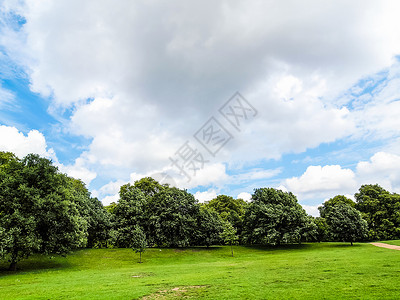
[35,264]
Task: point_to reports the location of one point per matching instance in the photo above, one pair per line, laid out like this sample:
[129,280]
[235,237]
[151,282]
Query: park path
[383,245]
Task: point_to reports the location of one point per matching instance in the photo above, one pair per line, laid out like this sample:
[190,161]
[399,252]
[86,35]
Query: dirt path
[383,245]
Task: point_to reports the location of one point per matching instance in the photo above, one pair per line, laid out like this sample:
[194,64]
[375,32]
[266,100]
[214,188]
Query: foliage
[229,235]
[38,212]
[149,186]
[275,217]
[171,218]
[230,209]
[208,229]
[381,210]
[329,204]
[322,230]
[129,212]
[346,223]
[138,243]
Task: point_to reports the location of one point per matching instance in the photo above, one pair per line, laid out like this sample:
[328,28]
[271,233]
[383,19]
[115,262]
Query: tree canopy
[38,210]
[381,210]
[275,217]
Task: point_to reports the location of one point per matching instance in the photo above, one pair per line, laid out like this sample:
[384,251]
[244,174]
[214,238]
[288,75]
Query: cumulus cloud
[205,196]
[140,78]
[245,196]
[15,141]
[382,168]
[318,181]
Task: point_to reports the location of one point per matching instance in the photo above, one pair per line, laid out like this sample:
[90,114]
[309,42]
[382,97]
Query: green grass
[392,242]
[309,271]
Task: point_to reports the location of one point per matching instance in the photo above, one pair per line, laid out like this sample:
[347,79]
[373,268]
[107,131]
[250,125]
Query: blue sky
[112,92]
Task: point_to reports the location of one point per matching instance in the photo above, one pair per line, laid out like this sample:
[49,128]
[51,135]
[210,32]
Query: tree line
[45,211]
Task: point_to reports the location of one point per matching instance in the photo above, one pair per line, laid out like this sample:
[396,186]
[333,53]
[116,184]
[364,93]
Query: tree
[229,209]
[38,213]
[275,217]
[229,235]
[129,212]
[171,218]
[209,228]
[381,210]
[322,230]
[346,223]
[138,243]
[149,186]
[337,200]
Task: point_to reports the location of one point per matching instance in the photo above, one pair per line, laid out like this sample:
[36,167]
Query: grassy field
[309,271]
[392,242]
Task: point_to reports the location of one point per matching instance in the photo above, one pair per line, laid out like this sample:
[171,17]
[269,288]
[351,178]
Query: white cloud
[78,171]
[245,196]
[155,73]
[205,196]
[382,168]
[109,199]
[311,209]
[14,141]
[318,181]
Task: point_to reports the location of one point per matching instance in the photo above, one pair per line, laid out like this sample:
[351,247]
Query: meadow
[307,271]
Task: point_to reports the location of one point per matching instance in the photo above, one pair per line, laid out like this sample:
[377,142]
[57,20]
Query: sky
[217,97]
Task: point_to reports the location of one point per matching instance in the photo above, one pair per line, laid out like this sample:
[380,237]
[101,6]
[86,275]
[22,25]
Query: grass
[392,242]
[309,271]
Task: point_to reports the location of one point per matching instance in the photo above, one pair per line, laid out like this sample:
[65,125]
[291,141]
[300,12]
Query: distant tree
[129,212]
[208,229]
[346,223]
[275,217]
[381,210]
[138,242]
[38,211]
[322,230]
[229,209]
[337,200]
[171,218]
[229,235]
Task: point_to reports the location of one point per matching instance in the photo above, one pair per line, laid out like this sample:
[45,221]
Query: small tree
[139,242]
[229,235]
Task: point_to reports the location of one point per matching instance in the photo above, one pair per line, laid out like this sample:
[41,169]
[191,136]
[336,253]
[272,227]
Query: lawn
[392,242]
[309,271]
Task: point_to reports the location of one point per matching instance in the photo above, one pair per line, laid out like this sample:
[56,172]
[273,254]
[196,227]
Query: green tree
[229,209]
[381,210]
[275,217]
[171,218]
[38,213]
[129,212]
[149,186]
[346,223]
[322,230]
[139,242]
[337,200]
[208,229]
[229,235]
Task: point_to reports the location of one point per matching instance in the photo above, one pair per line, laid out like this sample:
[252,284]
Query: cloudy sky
[114,91]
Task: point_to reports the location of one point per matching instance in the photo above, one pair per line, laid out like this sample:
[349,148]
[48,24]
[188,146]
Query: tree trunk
[351,243]
[13,266]
[140,257]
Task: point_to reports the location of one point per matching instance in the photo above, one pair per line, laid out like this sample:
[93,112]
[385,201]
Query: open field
[325,270]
